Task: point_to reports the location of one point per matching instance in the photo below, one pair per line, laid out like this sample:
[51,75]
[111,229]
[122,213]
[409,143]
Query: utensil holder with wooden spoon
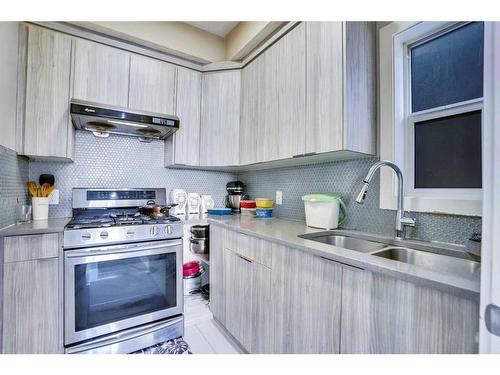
[40,208]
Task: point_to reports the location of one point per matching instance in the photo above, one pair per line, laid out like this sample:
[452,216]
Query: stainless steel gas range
[122,273]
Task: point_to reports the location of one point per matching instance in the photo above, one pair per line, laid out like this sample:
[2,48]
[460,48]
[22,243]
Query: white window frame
[397,123]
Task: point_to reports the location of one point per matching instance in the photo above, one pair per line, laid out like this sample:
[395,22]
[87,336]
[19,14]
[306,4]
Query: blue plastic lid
[219,211]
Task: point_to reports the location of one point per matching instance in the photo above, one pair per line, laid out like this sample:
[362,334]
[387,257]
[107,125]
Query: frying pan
[155,211]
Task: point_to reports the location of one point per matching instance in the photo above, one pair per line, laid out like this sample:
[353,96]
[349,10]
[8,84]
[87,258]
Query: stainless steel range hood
[103,120]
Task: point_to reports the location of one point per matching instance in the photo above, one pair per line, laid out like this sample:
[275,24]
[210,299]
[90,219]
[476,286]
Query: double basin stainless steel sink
[423,254]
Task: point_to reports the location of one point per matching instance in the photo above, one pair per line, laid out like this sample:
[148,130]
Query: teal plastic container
[264,212]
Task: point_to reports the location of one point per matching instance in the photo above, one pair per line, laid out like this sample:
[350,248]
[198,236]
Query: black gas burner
[164,220]
[90,222]
[117,220]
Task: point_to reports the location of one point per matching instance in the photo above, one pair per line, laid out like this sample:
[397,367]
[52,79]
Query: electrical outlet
[279,197]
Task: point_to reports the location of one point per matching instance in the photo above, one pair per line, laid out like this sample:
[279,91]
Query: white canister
[206,203]
[179,197]
[40,208]
[193,203]
[323,210]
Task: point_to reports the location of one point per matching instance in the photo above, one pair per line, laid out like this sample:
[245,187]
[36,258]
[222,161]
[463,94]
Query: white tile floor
[201,332]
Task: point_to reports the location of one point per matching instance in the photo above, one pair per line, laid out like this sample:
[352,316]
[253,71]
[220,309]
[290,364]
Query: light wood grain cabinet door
[220,118]
[247,286]
[31,314]
[238,276]
[217,274]
[47,126]
[290,52]
[306,302]
[252,146]
[260,312]
[101,73]
[324,74]
[381,314]
[273,101]
[186,140]
[152,85]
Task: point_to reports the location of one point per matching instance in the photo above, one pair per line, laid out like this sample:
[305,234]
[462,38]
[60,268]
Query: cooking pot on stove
[155,211]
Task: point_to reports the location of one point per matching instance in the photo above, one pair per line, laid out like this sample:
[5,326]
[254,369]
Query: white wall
[246,36]
[8,83]
[178,36]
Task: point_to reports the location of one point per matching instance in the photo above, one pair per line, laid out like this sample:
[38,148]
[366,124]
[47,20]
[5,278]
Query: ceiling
[218,28]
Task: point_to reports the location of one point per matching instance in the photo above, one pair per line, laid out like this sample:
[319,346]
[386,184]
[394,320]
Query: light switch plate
[54,197]
[279,197]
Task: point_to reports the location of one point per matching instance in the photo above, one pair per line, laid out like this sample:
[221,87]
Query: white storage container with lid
[323,210]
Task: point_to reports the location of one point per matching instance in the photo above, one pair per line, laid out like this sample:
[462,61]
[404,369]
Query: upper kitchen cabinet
[183,148]
[44,94]
[341,87]
[220,118]
[101,73]
[273,101]
[252,112]
[9,39]
[152,85]
[289,62]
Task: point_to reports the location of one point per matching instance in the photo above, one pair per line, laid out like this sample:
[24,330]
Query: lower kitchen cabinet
[31,311]
[306,302]
[247,302]
[277,299]
[240,288]
[382,314]
[217,271]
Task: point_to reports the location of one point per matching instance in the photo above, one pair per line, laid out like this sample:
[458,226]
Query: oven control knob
[154,231]
[168,229]
[86,236]
[104,235]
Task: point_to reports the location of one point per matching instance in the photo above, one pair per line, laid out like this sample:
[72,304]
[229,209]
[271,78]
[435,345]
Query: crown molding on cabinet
[116,39]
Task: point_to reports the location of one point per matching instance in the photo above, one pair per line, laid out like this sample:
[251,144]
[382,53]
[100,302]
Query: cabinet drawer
[21,248]
[250,247]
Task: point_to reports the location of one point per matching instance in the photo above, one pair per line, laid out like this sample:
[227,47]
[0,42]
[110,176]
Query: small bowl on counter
[264,203]
[248,211]
[264,212]
[248,204]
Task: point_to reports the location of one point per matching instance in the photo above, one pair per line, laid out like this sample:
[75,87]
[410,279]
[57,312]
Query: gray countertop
[55,225]
[286,233]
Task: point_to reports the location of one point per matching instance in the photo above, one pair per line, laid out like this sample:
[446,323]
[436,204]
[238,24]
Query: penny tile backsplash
[13,177]
[121,161]
[345,177]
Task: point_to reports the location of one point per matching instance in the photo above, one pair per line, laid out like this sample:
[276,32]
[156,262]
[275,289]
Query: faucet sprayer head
[362,194]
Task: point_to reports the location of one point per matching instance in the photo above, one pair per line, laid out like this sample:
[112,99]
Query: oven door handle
[119,250]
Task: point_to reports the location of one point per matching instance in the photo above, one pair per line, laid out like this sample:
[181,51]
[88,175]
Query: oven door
[108,289]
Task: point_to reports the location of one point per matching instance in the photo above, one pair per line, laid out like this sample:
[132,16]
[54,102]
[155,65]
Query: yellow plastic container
[264,203]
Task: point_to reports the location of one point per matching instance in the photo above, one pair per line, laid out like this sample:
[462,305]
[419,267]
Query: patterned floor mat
[174,346]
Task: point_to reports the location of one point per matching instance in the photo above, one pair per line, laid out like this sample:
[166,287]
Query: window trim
[396,122]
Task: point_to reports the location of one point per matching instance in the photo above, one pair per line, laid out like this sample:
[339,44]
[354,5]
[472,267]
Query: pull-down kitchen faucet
[401,220]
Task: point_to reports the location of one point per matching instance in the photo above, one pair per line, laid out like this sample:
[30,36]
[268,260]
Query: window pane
[448,69]
[448,152]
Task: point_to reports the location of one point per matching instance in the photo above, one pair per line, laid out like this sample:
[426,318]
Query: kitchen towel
[174,346]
